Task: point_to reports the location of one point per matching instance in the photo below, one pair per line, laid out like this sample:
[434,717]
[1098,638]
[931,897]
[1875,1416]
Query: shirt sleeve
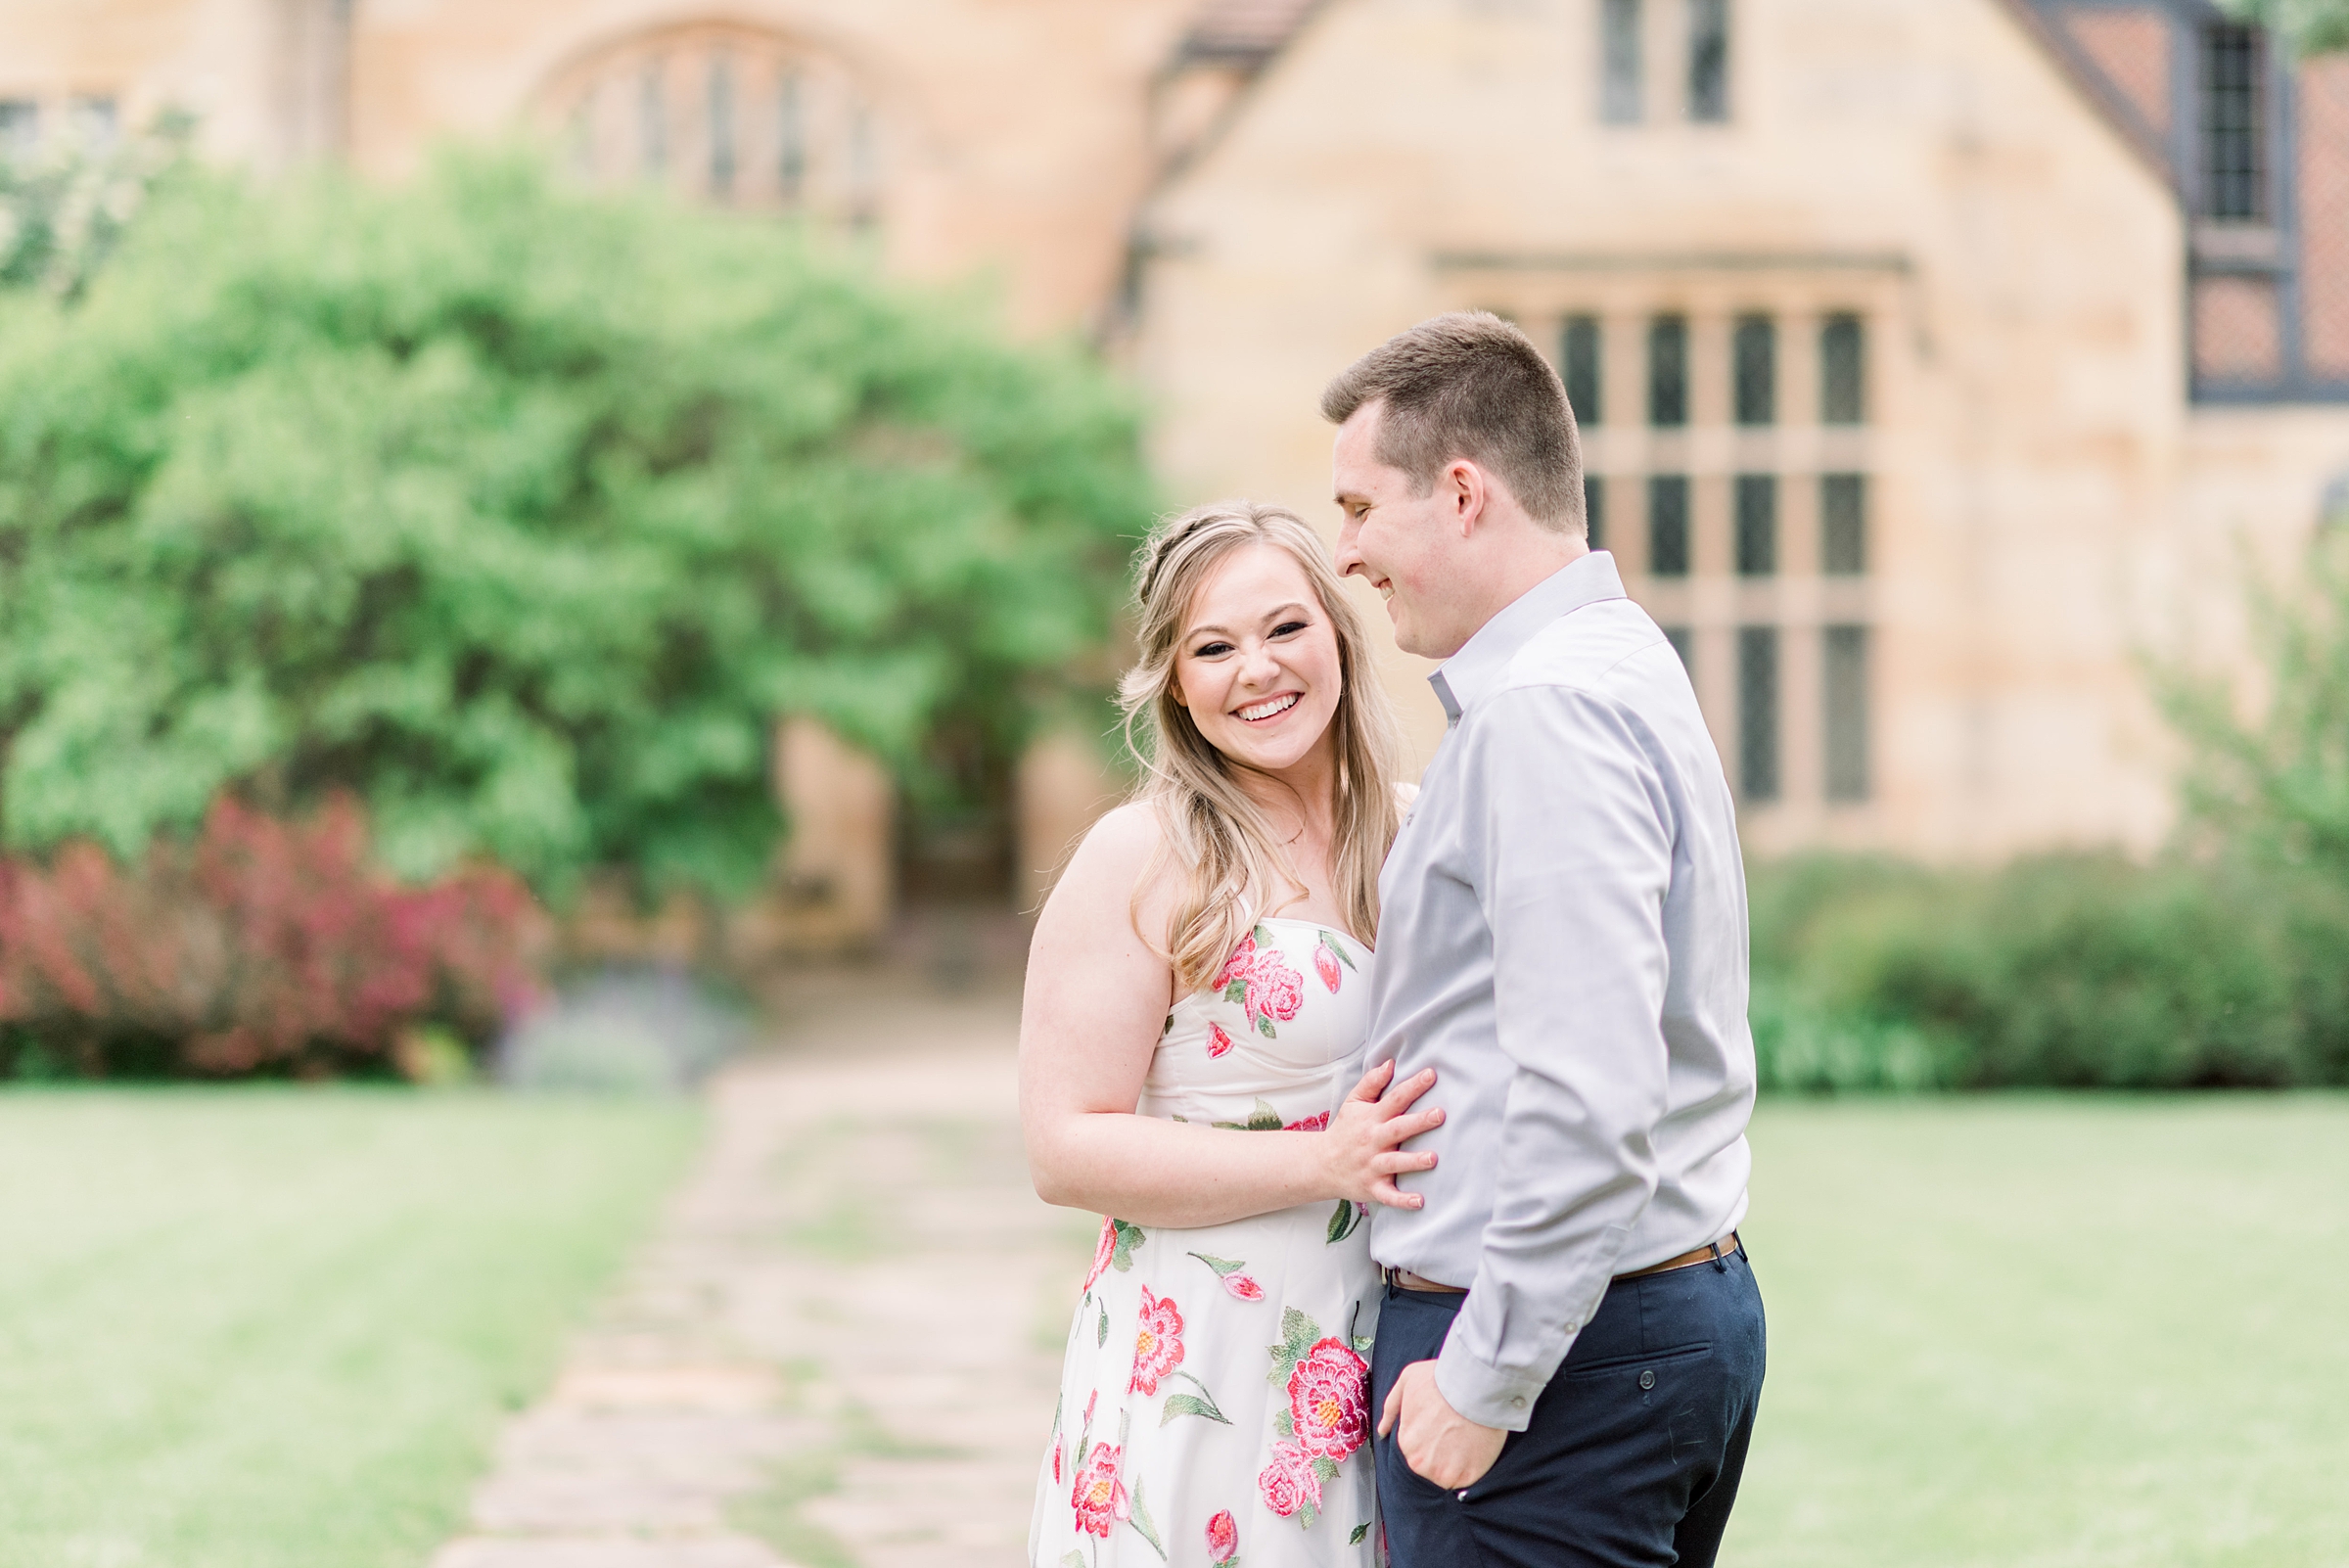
[1571,842]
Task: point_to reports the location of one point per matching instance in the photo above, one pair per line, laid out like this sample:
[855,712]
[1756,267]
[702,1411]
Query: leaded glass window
[1622,97]
[1579,366]
[1758,712]
[1843,524]
[1668,371]
[1709,60]
[2232,172]
[1757,525]
[1845,667]
[1756,370]
[1668,525]
[1843,371]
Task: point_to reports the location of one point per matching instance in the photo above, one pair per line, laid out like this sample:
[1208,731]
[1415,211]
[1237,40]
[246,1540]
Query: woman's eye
[1288,629]
[1213,650]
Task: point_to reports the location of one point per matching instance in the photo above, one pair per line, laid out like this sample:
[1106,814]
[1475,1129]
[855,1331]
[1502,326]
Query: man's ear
[1465,483]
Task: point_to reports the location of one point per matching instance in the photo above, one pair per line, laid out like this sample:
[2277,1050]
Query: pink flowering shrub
[263,944]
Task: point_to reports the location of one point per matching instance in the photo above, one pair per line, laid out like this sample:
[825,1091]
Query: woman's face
[1257,662]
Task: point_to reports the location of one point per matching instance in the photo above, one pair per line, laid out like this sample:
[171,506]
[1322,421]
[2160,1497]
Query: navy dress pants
[1633,1452]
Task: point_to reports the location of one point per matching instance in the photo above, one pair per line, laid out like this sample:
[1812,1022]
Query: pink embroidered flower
[1288,1482]
[1274,990]
[1222,1537]
[1312,1124]
[1237,967]
[1156,1342]
[1218,1042]
[1056,1461]
[1325,964]
[1245,1288]
[1103,1250]
[1099,1496]
[1329,1399]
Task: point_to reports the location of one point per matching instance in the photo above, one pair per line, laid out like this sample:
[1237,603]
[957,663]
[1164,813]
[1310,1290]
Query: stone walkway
[840,1350]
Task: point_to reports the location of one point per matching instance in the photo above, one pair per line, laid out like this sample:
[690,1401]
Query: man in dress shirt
[1570,1346]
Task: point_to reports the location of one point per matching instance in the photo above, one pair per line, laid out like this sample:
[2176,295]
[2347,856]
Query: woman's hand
[1359,1150]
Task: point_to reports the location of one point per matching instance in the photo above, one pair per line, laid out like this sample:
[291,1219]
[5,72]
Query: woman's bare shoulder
[1112,859]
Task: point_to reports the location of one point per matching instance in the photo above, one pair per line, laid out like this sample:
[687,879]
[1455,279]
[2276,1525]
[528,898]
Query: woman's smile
[1270,708]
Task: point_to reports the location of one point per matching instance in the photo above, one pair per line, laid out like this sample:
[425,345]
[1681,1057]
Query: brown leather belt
[1404,1279]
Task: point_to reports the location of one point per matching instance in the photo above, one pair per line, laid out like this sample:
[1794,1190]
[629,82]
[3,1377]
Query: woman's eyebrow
[1274,614]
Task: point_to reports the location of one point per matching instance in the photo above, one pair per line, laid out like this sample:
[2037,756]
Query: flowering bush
[263,944]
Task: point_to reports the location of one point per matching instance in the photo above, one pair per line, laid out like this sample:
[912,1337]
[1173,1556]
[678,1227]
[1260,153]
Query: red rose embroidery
[1156,1342]
[1099,1497]
[1325,964]
[1237,967]
[1329,1399]
[1218,1042]
[1222,1537]
[1242,1286]
[1274,990]
[1103,1251]
[1056,1461]
[1288,1482]
[1312,1124]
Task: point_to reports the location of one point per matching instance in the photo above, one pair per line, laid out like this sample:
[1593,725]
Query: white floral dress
[1214,1405]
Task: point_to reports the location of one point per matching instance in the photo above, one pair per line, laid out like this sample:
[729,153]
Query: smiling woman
[1197,1000]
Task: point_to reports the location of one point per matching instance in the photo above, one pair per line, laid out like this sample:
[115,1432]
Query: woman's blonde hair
[1227,864]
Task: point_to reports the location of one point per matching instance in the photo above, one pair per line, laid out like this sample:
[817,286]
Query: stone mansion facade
[1935,358]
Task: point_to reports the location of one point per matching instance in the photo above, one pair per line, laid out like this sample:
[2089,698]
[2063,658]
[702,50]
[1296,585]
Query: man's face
[1396,539]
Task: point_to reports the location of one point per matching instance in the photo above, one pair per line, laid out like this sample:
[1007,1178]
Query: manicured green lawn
[2052,1333]
[278,1327]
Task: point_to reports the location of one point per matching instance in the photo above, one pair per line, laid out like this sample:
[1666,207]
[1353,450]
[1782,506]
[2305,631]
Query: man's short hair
[1470,384]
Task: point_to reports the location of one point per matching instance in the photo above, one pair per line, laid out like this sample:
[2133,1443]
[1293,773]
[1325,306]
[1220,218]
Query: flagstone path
[841,1347]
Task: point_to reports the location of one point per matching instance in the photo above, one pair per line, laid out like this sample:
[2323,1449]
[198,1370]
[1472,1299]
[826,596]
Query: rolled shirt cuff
[1485,1395]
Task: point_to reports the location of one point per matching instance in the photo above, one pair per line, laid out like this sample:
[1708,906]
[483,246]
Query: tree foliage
[523,514]
[2310,27]
[2273,780]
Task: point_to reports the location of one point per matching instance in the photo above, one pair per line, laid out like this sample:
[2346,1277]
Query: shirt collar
[1469,673]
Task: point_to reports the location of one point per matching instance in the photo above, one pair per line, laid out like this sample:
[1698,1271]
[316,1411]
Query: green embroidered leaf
[1299,1331]
[1222,1265]
[1191,1405]
[1184,1119]
[1331,943]
[1362,1346]
[1325,1467]
[1284,1424]
[1355,1540]
[1236,992]
[1073,1560]
[1263,938]
[1264,1027]
[1102,1337]
[1168,1027]
[1121,1256]
[1263,1119]
[1341,1222]
[1141,1520]
[1307,1516]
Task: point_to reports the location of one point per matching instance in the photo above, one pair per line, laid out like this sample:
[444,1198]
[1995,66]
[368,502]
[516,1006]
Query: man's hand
[1438,1442]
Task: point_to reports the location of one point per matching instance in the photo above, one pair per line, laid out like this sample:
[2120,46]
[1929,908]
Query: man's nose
[1346,557]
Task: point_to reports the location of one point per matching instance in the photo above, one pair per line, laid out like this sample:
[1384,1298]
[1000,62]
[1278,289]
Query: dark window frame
[1670,546]
[1754,370]
[1760,713]
[1708,62]
[1582,366]
[1668,371]
[1843,369]
[1845,655]
[1757,525]
[1843,524]
[2232,79]
[1622,62]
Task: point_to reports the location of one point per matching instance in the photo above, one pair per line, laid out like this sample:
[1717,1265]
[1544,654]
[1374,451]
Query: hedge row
[2060,971]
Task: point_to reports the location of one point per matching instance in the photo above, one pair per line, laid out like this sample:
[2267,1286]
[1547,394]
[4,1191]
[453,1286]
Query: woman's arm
[1095,1005]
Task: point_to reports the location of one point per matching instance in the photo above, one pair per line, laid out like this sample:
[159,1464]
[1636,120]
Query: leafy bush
[522,516]
[263,944]
[2064,971]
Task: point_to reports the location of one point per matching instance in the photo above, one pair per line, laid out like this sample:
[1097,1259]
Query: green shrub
[523,514]
[2060,970]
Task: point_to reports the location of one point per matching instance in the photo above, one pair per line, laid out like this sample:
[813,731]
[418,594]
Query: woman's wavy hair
[1227,864]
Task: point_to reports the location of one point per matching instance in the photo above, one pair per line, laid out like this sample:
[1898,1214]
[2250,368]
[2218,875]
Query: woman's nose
[1258,667]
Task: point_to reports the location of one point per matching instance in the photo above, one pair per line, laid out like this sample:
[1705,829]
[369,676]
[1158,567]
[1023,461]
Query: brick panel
[2237,335]
[2130,46]
[2325,215]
